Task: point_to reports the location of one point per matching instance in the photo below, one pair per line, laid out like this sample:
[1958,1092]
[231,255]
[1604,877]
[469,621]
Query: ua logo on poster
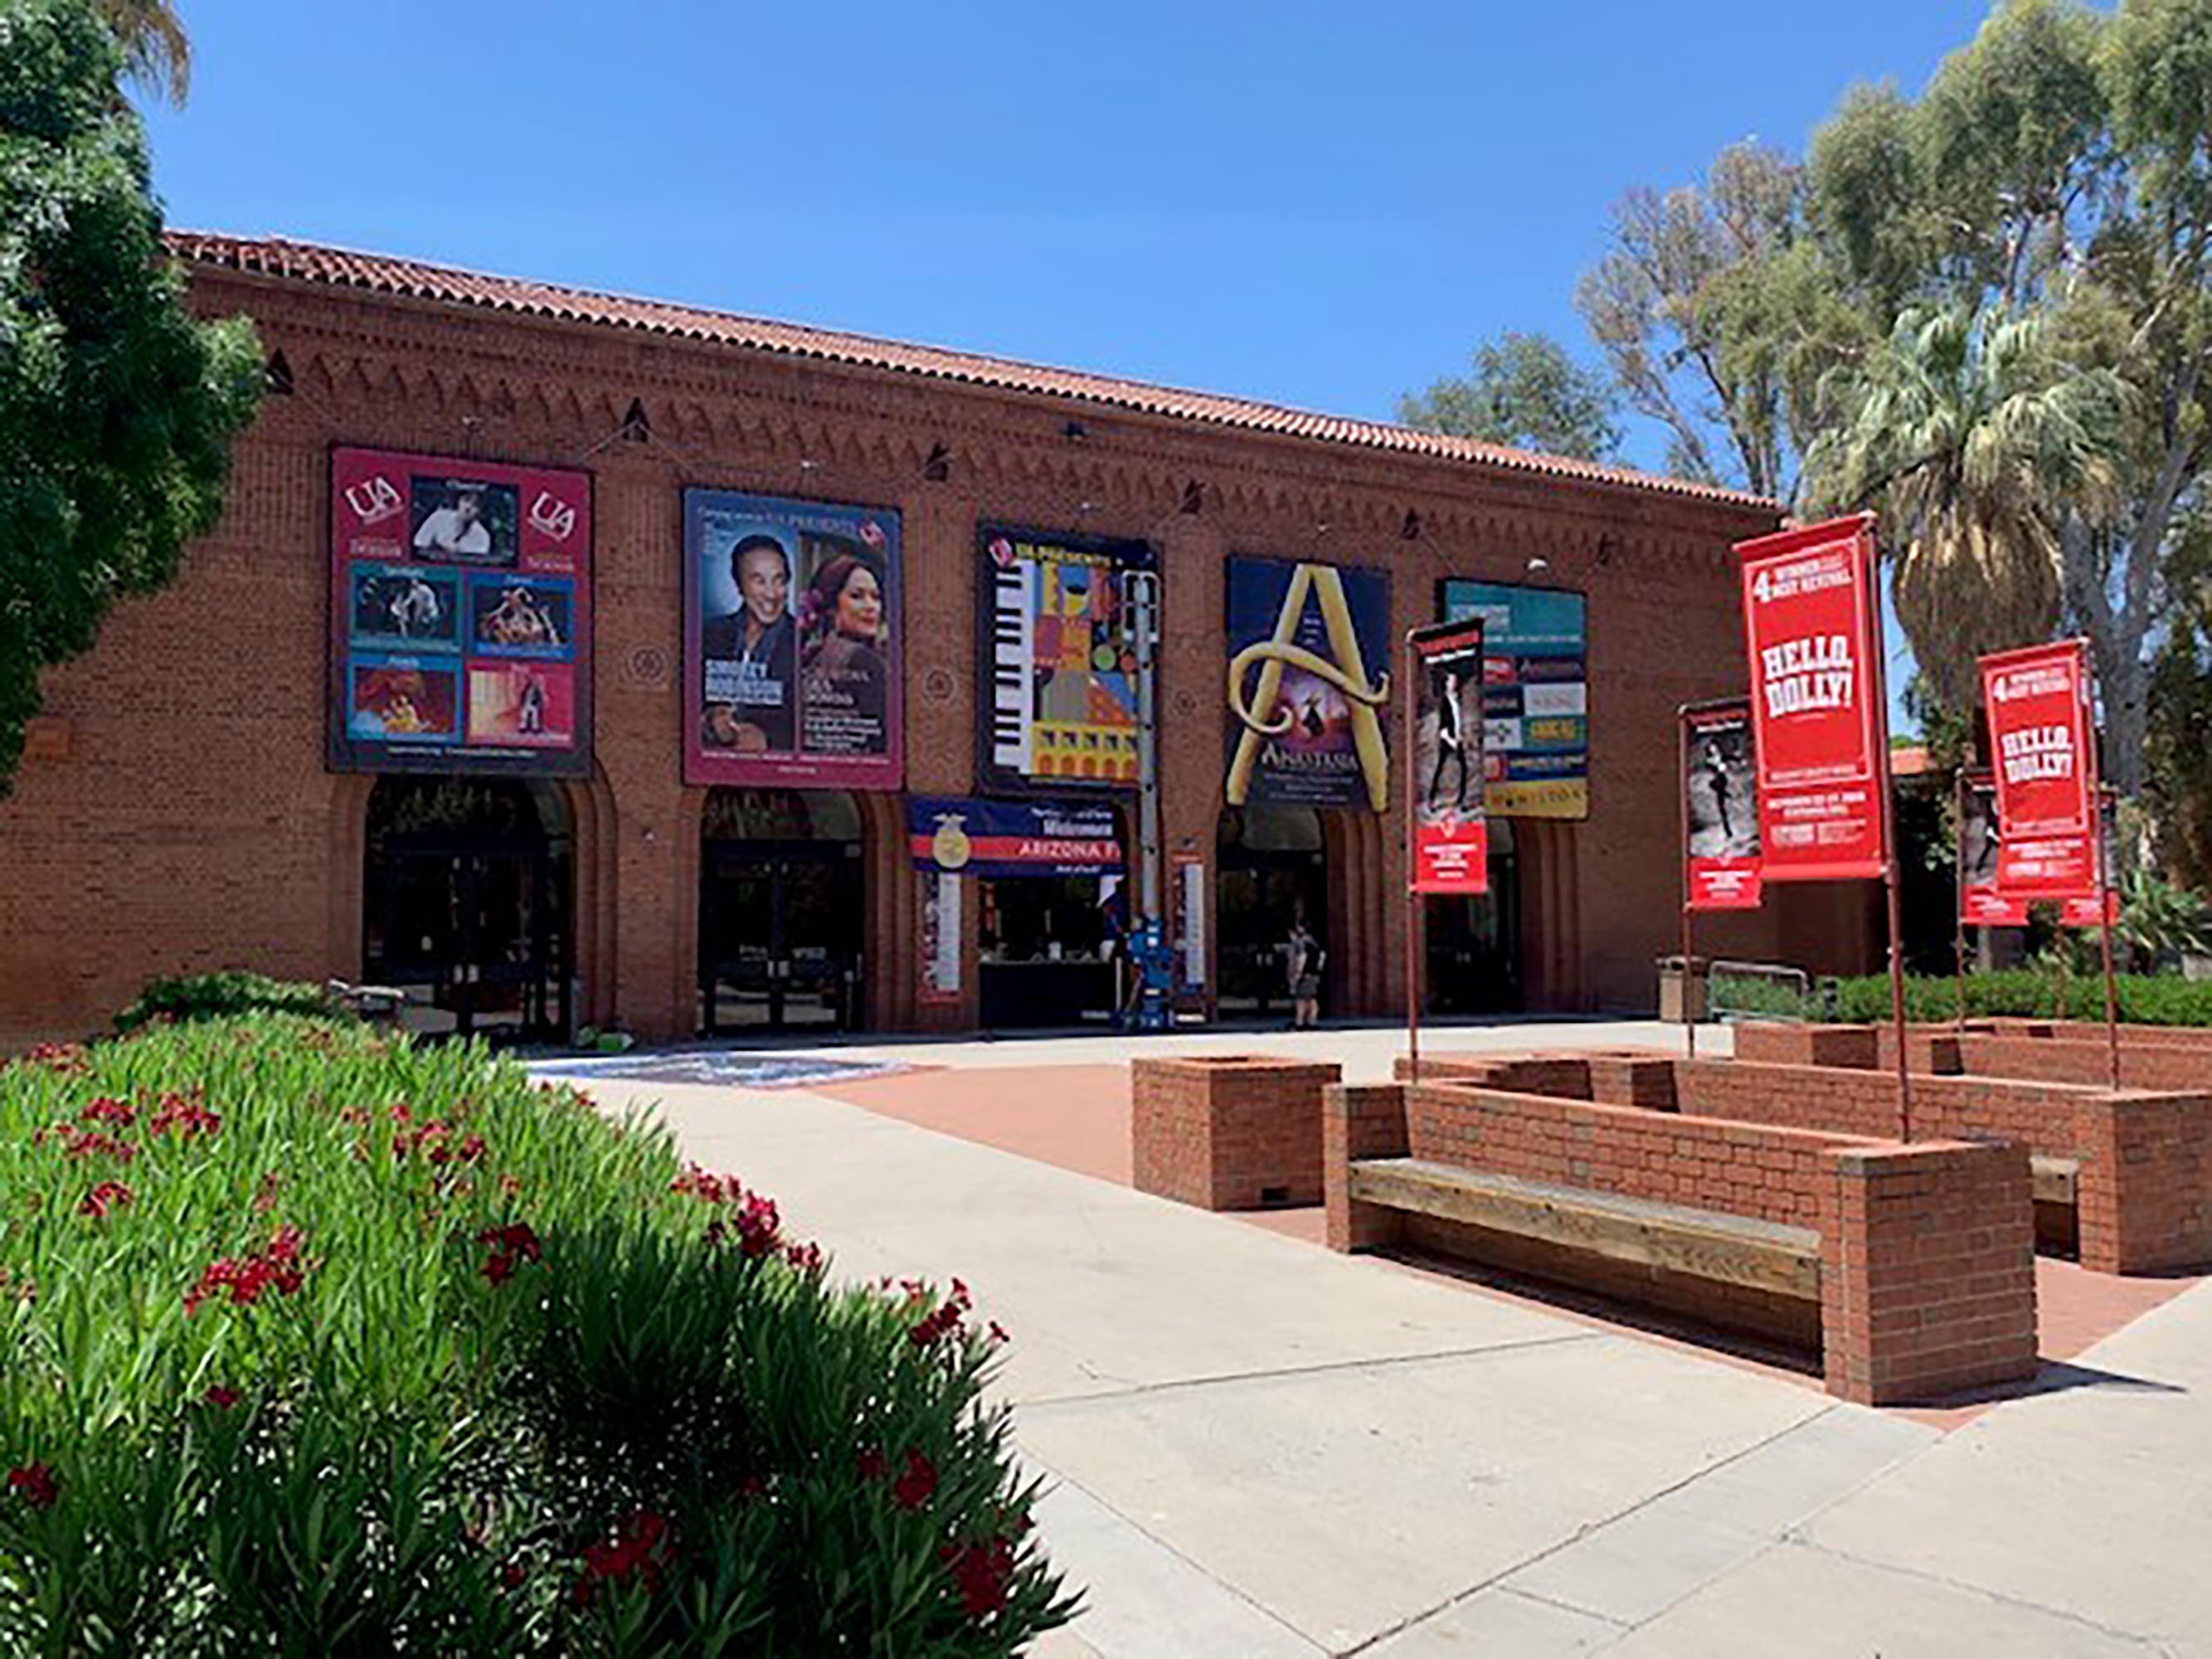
[374,500]
[1347,673]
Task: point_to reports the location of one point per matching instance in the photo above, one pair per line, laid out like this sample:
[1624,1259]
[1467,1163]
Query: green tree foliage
[117,408]
[2180,736]
[2060,165]
[1717,319]
[1524,391]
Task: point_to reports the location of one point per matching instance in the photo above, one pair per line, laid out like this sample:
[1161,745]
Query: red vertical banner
[2038,700]
[1980,903]
[1720,808]
[1810,634]
[1451,837]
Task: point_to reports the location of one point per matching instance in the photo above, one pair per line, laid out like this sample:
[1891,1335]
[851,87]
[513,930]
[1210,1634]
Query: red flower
[498,1269]
[913,1488]
[220,1397]
[88,1143]
[871,1464]
[807,1257]
[757,1223]
[512,1575]
[244,1278]
[108,1109]
[67,1058]
[186,1115]
[999,1332]
[107,1195]
[36,1482]
[982,1571]
[512,1243]
[630,1553]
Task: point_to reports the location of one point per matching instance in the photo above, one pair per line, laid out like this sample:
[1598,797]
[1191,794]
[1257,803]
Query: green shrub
[2144,999]
[224,995]
[314,1341]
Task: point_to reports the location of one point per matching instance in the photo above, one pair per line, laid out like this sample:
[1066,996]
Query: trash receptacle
[1672,984]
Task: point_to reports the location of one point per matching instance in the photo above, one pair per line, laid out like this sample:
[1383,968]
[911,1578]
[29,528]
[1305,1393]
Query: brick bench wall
[1237,1132]
[1927,1269]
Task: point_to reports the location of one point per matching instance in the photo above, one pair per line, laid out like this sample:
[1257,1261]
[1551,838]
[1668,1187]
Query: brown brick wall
[1228,1133]
[1927,1272]
[175,812]
[1927,1251]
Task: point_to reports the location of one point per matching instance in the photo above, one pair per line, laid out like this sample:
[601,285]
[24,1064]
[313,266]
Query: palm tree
[156,50]
[1974,439]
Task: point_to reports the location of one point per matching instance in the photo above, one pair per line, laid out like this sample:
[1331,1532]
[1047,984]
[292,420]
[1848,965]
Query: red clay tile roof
[279,257]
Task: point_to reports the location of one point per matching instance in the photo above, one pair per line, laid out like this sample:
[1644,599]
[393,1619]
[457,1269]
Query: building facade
[574,785]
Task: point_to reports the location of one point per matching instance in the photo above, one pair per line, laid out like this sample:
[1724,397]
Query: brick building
[181,804]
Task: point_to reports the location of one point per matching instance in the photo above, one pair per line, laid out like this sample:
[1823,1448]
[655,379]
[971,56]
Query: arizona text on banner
[1809,637]
[2038,700]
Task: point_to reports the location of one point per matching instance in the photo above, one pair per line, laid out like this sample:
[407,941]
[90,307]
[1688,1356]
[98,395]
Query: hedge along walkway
[1270,1450]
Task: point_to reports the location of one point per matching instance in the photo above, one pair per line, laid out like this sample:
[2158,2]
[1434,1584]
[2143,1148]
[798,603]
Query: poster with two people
[793,673]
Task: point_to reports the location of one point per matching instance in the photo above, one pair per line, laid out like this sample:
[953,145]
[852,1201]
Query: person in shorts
[1306,958]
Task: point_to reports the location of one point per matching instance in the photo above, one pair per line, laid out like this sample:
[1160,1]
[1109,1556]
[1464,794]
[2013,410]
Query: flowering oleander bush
[314,1341]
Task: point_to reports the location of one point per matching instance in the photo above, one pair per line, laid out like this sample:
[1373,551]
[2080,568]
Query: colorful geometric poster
[1980,904]
[792,665]
[1536,697]
[1055,648]
[1452,838]
[1818,724]
[2038,700]
[439,568]
[1720,796]
[1309,673]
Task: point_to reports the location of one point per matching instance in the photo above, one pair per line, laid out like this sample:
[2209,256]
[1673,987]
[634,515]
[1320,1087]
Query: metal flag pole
[1407,766]
[1682,789]
[1959,897]
[1887,784]
[2105,928]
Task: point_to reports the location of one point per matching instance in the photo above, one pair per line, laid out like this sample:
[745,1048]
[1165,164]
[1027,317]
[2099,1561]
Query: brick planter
[1926,1269]
[2036,1051]
[1233,1132]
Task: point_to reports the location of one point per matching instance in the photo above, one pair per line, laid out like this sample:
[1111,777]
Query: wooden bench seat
[1764,1255]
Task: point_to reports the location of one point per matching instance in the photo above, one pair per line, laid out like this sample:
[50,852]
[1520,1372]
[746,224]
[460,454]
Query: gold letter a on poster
[1348,673]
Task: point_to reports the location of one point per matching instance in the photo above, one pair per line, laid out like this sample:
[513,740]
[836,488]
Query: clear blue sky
[1324,205]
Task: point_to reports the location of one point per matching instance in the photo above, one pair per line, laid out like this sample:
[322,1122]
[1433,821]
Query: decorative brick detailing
[2151,1056]
[1238,1132]
[1927,1271]
[1360,1120]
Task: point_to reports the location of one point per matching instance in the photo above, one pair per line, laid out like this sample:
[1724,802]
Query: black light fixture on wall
[938,465]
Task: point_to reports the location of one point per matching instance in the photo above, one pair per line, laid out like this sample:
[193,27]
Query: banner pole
[1886,783]
[2105,926]
[1408,765]
[1958,881]
[1682,787]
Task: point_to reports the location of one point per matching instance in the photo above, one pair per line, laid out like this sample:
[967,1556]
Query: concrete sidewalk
[1263,1449]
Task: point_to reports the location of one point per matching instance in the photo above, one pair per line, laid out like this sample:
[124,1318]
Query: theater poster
[1309,684]
[1451,837]
[1535,694]
[2038,701]
[1980,904]
[1816,718]
[1720,795]
[794,672]
[1056,651]
[460,616]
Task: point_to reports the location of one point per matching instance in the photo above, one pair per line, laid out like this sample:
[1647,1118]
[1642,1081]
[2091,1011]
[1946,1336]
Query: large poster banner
[2038,700]
[1536,695]
[1309,648]
[1980,904]
[1054,647]
[792,665]
[1720,792]
[1452,838]
[1808,630]
[970,838]
[460,616]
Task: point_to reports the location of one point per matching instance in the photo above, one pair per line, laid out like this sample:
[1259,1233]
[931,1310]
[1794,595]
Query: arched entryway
[781,907]
[1475,941]
[1272,865]
[467,903]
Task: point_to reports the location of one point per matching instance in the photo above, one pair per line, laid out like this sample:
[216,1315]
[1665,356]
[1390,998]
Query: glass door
[779,938]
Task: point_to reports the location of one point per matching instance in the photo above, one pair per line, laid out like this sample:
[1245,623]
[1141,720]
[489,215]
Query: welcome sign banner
[2038,700]
[1809,634]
